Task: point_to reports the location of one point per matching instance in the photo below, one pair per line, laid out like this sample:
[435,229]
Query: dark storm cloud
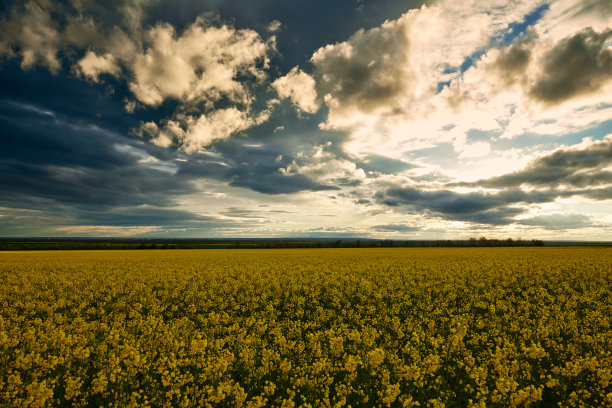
[255,168]
[477,207]
[95,104]
[46,156]
[579,168]
[63,171]
[576,65]
[558,221]
[57,170]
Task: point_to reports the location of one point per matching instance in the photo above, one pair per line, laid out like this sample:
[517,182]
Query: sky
[350,118]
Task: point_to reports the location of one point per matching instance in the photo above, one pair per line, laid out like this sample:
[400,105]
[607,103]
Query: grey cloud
[477,207]
[576,65]
[598,193]
[37,31]
[583,170]
[47,159]
[558,221]
[384,164]
[512,62]
[56,219]
[601,177]
[396,228]
[578,168]
[56,170]
[32,34]
[246,214]
[274,183]
[331,232]
[254,168]
[596,6]
[433,176]
[142,216]
[236,212]
[357,73]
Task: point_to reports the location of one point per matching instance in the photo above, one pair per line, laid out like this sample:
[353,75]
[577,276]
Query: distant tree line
[89,244]
[389,243]
[97,244]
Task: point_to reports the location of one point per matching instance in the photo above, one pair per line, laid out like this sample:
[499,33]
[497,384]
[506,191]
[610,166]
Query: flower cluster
[474,327]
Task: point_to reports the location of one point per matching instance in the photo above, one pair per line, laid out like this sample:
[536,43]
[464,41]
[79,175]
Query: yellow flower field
[447,327]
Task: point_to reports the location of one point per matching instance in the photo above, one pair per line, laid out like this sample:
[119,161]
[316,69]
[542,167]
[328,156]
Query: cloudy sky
[306,118]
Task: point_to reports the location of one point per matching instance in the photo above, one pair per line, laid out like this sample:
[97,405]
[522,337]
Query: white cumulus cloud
[325,167]
[195,133]
[299,87]
[200,64]
[92,65]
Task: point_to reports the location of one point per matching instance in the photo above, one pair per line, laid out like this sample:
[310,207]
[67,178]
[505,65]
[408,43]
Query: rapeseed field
[446,327]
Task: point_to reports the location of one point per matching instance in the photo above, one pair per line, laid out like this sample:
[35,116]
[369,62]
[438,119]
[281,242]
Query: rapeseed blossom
[292,328]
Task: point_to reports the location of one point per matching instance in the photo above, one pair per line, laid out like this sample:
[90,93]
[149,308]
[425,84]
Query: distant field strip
[435,327]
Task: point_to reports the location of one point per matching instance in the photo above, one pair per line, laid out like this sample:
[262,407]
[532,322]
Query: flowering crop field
[436,327]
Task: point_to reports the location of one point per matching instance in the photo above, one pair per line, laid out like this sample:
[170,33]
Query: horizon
[288,238]
[361,119]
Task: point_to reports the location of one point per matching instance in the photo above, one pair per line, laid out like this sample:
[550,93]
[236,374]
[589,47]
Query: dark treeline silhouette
[17,244]
[38,244]
[389,243]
